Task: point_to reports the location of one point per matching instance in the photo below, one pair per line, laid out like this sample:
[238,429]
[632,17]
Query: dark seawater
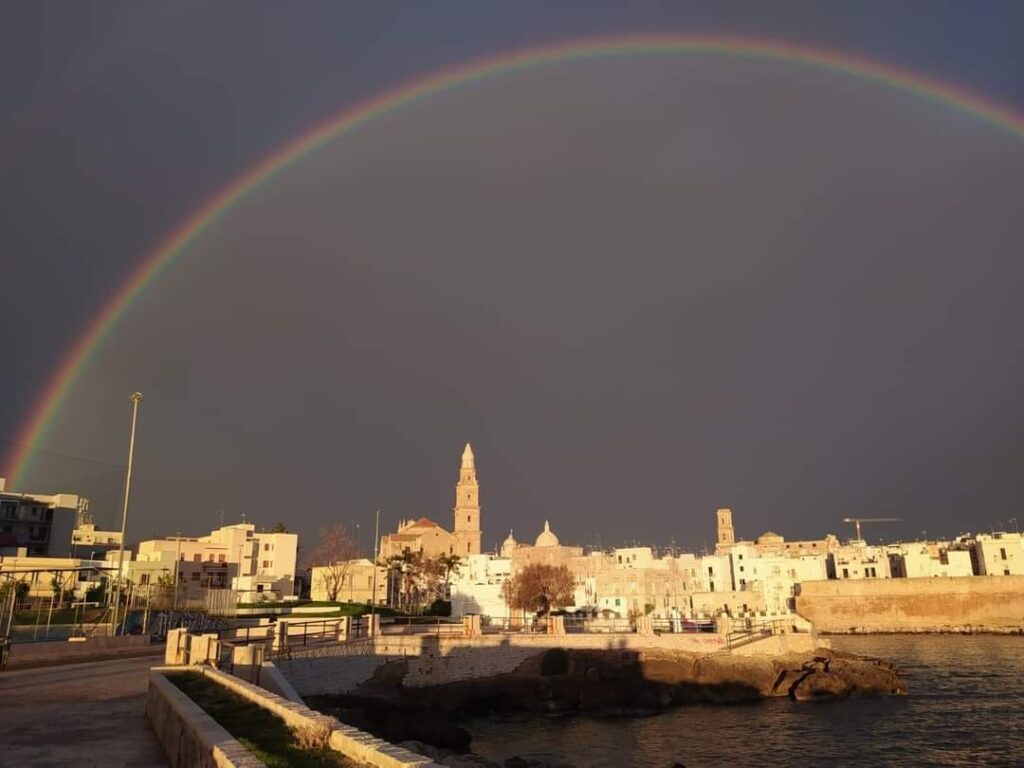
[965,708]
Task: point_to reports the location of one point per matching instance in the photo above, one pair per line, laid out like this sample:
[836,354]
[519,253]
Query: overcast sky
[643,286]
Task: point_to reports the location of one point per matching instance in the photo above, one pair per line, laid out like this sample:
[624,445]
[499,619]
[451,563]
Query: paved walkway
[81,715]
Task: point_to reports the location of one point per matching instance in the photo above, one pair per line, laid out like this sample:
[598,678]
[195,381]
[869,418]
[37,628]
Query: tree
[333,555]
[540,588]
[279,528]
[449,563]
[408,567]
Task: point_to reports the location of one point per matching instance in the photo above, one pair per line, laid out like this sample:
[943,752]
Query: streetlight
[177,565]
[135,398]
[373,588]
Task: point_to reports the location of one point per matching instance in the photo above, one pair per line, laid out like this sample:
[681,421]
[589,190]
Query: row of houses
[51,543]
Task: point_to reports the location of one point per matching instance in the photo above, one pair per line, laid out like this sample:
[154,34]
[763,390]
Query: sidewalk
[80,715]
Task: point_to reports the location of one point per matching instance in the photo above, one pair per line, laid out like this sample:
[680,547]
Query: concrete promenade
[81,715]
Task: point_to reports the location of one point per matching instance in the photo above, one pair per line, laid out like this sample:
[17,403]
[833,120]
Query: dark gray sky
[643,287]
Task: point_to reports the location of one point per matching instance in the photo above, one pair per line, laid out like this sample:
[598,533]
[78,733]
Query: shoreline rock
[598,684]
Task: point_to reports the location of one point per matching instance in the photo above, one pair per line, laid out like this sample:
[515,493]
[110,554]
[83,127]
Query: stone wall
[72,651]
[432,660]
[190,737]
[950,604]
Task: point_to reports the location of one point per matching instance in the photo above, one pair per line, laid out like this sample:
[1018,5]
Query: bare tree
[335,550]
[540,588]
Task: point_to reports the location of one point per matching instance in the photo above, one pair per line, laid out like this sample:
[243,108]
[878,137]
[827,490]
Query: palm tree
[449,563]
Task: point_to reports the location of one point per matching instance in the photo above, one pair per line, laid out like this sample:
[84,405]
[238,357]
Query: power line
[61,455]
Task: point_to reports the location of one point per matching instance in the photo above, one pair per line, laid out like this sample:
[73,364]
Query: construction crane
[858,520]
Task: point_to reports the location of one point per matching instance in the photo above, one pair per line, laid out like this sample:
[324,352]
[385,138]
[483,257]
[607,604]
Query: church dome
[509,545]
[770,537]
[547,538]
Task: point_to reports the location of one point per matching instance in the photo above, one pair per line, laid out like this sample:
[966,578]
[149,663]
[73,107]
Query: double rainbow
[48,405]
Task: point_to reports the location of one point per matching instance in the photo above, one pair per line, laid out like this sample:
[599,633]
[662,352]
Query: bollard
[174,651]
[281,636]
[246,661]
[372,625]
[344,628]
[471,626]
[556,625]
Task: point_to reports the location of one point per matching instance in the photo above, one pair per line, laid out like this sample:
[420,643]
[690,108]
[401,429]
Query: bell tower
[726,534]
[467,507]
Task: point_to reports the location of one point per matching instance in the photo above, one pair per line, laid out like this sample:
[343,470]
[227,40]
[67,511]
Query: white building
[477,587]
[39,523]
[774,576]
[256,564]
[1000,554]
[857,560]
[923,560]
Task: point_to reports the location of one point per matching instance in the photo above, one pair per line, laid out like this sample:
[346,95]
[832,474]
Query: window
[711,571]
[846,573]
[197,558]
[741,569]
[144,579]
[1002,553]
[266,547]
[266,563]
[469,519]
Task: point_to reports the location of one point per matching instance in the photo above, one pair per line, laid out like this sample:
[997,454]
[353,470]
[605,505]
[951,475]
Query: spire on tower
[467,456]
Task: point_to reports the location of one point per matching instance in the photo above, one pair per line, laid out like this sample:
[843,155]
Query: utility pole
[135,398]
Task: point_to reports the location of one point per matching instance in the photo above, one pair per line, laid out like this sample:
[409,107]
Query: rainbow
[35,428]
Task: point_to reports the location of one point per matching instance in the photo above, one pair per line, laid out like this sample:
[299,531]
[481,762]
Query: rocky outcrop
[602,683]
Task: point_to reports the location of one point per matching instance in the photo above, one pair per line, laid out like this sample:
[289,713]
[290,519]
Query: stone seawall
[432,660]
[941,604]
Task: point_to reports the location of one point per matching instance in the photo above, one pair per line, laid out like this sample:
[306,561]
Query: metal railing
[421,625]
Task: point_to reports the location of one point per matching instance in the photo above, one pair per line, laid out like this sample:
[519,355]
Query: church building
[429,538]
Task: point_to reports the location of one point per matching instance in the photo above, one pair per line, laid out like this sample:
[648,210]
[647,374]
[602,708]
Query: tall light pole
[135,398]
[177,565]
[376,544]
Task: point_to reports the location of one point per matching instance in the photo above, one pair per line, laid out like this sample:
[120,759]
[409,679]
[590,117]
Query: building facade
[39,523]
[999,554]
[256,564]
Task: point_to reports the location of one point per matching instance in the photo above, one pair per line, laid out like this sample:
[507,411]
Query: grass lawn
[259,731]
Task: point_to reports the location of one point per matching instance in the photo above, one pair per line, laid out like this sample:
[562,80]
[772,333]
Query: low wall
[189,736]
[69,652]
[349,741]
[432,660]
[939,604]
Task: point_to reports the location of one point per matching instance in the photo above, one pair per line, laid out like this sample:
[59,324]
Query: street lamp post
[135,398]
[177,565]
[376,544]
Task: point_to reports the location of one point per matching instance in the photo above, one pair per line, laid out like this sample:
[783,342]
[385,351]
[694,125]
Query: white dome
[509,545]
[547,538]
